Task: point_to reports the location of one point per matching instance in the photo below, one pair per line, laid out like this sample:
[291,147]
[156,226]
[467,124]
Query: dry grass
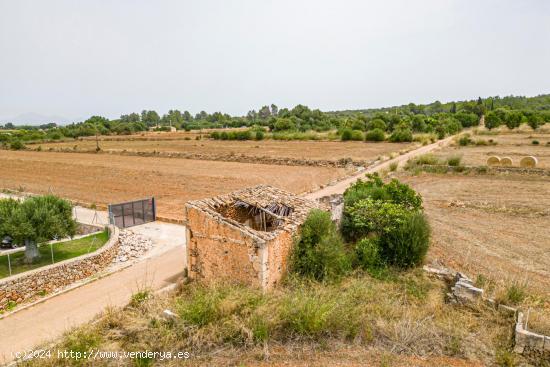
[228,324]
[515,144]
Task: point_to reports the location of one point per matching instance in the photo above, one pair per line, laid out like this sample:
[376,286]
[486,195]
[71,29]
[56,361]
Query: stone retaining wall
[529,343]
[32,284]
[463,291]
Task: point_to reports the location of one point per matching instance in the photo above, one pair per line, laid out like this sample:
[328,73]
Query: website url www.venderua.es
[103,354]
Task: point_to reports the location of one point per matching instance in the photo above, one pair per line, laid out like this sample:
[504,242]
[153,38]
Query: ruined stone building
[245,236]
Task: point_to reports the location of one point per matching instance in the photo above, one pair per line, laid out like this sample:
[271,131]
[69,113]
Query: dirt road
[341,186]
[48,320]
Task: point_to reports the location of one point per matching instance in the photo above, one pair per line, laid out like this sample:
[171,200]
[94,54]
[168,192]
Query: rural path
[48,320]
[341,186]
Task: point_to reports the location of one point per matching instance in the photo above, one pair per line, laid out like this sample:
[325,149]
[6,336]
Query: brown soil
[495,225]
[318,150]
[103,179]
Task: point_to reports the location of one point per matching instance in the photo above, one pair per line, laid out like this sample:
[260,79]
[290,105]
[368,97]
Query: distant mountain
[36,119]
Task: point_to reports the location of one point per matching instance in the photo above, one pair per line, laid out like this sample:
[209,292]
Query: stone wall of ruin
[219,251]
[28,286]
[278,251]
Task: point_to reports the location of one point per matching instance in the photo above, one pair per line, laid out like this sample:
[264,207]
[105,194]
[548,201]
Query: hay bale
[493,161]
[506,162]
[528,162]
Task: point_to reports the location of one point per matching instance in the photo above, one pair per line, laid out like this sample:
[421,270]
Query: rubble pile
[132,246]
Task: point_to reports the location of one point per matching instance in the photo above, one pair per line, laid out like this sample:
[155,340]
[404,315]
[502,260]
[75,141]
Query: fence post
[9,263]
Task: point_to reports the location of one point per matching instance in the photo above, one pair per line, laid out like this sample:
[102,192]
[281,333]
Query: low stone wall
[463,291]
[529,343]
[32,284]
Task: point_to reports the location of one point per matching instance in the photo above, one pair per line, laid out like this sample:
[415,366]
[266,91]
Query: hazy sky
[78,58]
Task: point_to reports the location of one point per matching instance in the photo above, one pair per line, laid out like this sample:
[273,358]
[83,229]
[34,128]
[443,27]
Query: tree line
[396,123]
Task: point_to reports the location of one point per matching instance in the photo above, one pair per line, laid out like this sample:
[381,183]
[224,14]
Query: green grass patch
[62,251]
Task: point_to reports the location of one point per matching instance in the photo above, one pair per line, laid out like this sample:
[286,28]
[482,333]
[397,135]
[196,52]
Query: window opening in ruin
[259,218]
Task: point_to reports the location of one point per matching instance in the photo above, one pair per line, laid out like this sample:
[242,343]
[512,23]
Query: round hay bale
[528,162]
[493,161]
[506,162]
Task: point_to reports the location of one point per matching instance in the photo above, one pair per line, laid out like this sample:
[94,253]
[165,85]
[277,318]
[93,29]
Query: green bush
[374,188]
[401,135]
[346,135]
[454,161]
[377,124]
[367,254]
[319,252]
[369,217]
[406,244]
[357,135]
[259,135]
[535,142]
[375,135]
[17,145]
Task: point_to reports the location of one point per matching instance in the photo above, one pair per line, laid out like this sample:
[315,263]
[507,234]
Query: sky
[73,59]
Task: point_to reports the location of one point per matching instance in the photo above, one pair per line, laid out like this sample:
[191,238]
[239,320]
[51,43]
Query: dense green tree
[492,120]
[38,219]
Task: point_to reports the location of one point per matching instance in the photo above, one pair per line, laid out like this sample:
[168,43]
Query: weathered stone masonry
[30,285]
[245,236]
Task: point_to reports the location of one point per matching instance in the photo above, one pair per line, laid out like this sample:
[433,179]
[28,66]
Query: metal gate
[132,213]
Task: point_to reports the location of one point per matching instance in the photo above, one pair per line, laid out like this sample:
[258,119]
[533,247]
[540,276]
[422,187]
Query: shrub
[375,189]
[377,124]
[407,243]
[393,166]
[215,135]
[357,135]
[515,293]
[401,135]
[454,161]
[403,235]
[259,135]
[17,145]
[425,159]
[465,140]
[346,135]
[375,135]
[367,254]
[535,142]
[371,217]
[319,252]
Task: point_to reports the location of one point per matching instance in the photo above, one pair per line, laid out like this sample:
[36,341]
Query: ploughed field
[313,150]
[106,178]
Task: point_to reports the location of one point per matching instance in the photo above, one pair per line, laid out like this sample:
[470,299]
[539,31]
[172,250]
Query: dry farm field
[494,227]
[103,179]
[312,150]
[514,144]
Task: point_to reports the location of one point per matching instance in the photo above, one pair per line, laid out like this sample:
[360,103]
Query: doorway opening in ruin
[259,218]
